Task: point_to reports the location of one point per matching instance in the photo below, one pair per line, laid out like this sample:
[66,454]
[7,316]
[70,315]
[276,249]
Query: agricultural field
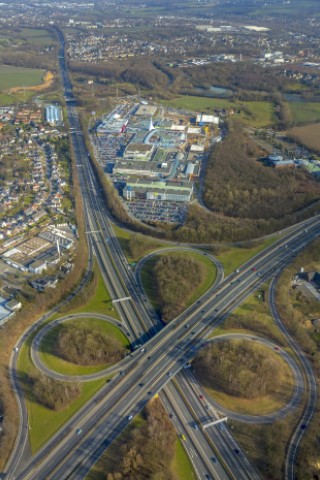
[12,77]
[41,38]
[309,135]
[304,112]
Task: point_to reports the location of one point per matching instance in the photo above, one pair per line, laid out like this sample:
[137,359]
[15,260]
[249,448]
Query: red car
[201,397]
[254,269]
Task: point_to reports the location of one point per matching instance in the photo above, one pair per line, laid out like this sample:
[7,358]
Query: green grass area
[254,318]
[257,406]
[197,104]
[37,36]
[294,87]
[304,112]
[52,361]
[147,244]
[100,302]
[181,465]
[259,114]
[236,256]
[123,236]
[148,283]
[161,155]
[43,422]
[19,77]
[19,97]
[6,100]
[293,9]
[256,114]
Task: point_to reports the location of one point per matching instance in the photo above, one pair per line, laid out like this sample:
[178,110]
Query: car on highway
[201,397]
[169,374]
[236,451]
[129,417]
[79,431]
[195,426]
[214,459]
[183,437]
[254,269]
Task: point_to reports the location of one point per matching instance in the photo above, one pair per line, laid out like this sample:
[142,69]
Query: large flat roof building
[204,119]
[153,190]
[138,167]
[146,110]
[139,151]
[53,114]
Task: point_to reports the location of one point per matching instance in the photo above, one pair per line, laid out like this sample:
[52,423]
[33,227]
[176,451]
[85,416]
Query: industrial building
[53,114]
[139,151]
[197,148]
[5,313]
[146,110]
[203,119]
[278,161]
[40,252]
[141,168]
[153,190]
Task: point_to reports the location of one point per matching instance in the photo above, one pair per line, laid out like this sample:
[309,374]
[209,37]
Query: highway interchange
[165,352]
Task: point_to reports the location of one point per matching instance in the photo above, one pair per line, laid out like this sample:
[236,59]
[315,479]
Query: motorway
[167,349]
[164,353]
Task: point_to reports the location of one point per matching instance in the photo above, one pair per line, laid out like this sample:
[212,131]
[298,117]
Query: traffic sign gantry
[116,300]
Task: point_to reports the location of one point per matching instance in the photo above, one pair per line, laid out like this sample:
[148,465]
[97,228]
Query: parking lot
[157,211]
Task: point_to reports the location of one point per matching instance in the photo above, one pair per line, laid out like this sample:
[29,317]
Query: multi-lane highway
[178,341]
[165,352]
